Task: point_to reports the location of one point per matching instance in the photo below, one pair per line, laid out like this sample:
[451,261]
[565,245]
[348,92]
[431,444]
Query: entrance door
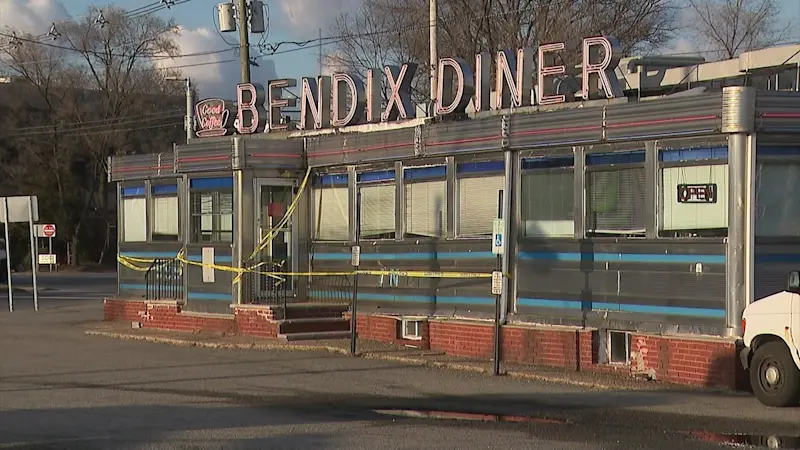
[273,198]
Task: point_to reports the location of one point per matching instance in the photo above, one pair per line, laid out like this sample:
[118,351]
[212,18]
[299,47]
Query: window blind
[135,217]
[426,208]
[377,210]
[165,216]
[331,214]
[477,204]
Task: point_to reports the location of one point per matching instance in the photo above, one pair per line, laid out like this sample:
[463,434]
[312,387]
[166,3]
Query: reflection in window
[426,201]
[134,214]
[478,189]
[165,212]
[331,208]
[547,197]
[377,208]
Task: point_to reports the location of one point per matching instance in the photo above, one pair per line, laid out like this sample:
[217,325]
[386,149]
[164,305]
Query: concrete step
[312,310]
[314,336]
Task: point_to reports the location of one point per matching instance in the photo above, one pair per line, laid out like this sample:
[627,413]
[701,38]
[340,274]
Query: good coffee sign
[342,99]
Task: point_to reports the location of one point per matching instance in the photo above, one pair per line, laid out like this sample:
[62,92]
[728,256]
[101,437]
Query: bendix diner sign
[342,99]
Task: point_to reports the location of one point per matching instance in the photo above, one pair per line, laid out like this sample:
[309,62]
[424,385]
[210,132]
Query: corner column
[738,121]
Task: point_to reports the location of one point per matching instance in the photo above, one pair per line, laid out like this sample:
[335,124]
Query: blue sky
[291,20]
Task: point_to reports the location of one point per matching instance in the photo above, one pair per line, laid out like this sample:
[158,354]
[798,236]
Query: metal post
[189,110]
[50,251]
[33,254]
[244,41]
[356,263]
[498,298]
[8,255]
[434,52]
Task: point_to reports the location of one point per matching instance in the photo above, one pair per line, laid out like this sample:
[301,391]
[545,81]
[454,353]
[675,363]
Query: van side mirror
[793,282]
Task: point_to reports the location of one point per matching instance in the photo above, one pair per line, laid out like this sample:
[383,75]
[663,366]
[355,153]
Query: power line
[105,122]
[93,131]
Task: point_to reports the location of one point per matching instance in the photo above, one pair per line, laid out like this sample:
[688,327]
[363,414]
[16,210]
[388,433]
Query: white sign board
[18,209]
[497,282]
[498,239]
[47,259]
[208,260]
[46,231]
[355,257]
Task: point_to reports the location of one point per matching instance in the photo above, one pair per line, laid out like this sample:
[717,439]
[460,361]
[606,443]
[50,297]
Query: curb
[367,355]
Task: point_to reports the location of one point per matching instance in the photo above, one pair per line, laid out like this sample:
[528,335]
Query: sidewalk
[388,352]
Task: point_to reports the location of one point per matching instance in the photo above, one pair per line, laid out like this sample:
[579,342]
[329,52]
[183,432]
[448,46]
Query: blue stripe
[337,179]
[778,258]
[150,254]
[217,258]
[206,296]
[693,154]
[425,173]
[424,256]
[368,296]
[479,167]
[382,175]
[211,183]
[164,189]
[636,156]
[777,150]
[132,191]
[624,257]
[548,162]
[193,258]
[541,256]
[623,307]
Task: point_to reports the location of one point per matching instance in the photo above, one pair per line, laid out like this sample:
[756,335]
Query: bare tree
[396,31]
[730,27]
[87,97]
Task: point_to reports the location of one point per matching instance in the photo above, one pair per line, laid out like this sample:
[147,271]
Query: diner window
[547,196]
[331,208]
[165,212]
[426,201]
[478,187]
[694,192]
[134,214]
[377,209]
[777,177]
[615,193]
[212,210]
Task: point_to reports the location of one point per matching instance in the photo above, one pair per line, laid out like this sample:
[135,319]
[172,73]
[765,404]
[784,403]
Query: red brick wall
[164,316]
[683,360]
[259,322]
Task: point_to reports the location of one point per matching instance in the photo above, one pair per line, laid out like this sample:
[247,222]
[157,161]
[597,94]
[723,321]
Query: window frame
[435,176]
[379,176]
[220,188]
[140,191]
[493,167]
[338,177]
[151,209]
[713,160]
[553,155]
[613,166]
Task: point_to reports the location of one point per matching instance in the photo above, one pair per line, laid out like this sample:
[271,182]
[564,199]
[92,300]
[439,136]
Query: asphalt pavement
[62,389]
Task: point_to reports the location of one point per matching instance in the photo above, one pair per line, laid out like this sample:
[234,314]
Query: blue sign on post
[498,243]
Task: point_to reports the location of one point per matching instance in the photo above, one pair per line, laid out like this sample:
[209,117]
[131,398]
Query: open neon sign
[697,193]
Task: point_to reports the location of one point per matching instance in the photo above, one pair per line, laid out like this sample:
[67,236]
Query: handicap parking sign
[498,245]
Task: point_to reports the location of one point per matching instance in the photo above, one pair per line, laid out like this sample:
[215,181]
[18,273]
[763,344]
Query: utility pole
[244,40]
[189,110]
[189,106]
[434,53]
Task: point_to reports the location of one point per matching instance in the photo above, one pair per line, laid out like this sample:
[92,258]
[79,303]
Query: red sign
[49,230]
[212,118]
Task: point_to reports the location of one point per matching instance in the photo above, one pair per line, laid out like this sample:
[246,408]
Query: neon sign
[343,99]
[212,118]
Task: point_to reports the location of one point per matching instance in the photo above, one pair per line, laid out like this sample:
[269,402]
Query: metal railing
[262,289]
[164,280]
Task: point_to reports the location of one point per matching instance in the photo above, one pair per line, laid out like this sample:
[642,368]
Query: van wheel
[774,376]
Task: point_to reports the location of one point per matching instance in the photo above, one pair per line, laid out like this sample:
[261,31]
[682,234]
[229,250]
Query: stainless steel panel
[468,136]
[738,109]
[550,128]
[344,148]
[132,167]
[778,112]
[205,155]
[664,118]
[263,153]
